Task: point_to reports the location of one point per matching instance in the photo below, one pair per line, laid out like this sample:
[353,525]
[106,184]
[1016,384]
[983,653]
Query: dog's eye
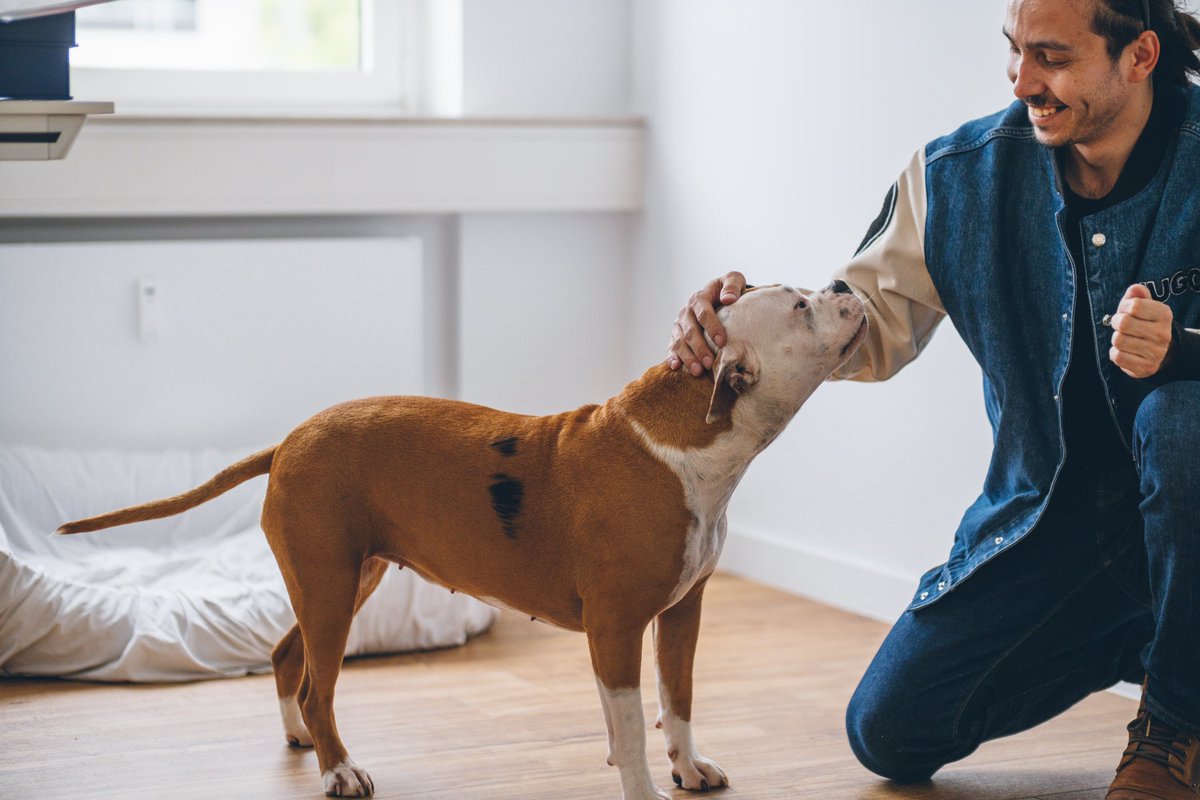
[801,304]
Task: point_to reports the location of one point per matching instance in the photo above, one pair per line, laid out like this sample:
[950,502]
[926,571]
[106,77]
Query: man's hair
[1122,21]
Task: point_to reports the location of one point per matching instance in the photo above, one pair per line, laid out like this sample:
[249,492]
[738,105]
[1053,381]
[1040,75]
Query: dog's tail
[223,481]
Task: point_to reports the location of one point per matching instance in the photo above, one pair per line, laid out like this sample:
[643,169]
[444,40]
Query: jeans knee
[1169,415]
[1167,435]
[883,738]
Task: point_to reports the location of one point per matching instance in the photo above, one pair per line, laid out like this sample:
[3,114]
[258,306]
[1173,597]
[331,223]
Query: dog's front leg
[675,633]
[608,723]
[616,651]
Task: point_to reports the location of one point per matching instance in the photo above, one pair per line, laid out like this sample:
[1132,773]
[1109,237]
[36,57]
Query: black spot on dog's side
[505,447]
[507,494]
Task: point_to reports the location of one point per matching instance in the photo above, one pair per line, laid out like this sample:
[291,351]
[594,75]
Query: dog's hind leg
[616,650]
[675,633]
[324,580]
[288,661]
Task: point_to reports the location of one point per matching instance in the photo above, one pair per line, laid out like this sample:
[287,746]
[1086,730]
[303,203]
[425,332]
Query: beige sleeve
[890,274]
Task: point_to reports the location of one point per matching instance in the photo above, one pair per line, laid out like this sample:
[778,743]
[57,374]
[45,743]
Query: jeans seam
[1112,662]
[974,689]
[1110,565]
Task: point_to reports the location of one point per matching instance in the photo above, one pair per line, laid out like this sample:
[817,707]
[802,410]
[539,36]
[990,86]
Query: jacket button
[1099,240]
[1107,321]
[924,595]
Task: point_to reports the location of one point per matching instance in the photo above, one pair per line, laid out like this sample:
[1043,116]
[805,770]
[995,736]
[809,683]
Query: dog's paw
[347,779]
[698,774]
[294,729]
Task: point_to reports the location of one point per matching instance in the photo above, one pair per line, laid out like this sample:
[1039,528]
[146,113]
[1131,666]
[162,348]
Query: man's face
[1062,71]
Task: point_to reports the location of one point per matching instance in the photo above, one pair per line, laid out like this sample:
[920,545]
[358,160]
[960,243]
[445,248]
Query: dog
[601,520]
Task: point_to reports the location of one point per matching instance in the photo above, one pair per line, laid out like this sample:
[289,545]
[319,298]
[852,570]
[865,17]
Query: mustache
[1042,101]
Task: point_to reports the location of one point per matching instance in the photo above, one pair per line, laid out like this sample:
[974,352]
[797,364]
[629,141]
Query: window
[308,54]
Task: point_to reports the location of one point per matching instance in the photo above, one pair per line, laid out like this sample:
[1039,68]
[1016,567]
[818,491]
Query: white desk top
[53,107]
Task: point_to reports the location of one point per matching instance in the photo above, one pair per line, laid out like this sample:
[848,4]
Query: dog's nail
[704,786]
[678,780]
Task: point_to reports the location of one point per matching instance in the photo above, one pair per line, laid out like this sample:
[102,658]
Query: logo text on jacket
[1181,282]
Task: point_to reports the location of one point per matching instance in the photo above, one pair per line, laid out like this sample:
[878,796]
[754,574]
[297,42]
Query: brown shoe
[1160,763]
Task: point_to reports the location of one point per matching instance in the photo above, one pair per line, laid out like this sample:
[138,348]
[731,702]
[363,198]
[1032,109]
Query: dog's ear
[735,372]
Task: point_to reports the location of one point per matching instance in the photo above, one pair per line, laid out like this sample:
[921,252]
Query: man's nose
[1027,82]
[839,287]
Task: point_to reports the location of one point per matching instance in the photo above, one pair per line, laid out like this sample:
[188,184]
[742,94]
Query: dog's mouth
[857,338]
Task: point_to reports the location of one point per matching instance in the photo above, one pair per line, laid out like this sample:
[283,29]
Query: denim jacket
[973,231]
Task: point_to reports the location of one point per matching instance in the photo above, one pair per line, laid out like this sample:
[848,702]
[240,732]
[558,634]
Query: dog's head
[782,343]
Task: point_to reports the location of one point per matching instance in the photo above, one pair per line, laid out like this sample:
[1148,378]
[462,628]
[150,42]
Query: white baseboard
[829,578]
[825,577]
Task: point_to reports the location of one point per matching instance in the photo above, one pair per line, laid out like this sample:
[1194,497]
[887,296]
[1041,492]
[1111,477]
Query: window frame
[388,42]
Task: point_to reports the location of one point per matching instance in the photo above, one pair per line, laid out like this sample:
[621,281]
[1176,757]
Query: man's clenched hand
[1141,333]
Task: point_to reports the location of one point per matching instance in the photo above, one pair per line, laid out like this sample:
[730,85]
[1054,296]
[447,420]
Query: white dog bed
[188,597]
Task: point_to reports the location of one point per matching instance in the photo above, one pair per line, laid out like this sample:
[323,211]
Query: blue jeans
[1105,588]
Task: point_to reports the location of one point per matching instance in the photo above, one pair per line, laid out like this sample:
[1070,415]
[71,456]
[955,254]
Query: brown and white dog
[601,520]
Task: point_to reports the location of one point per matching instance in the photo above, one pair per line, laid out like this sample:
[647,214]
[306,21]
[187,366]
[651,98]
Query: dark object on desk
[34,63]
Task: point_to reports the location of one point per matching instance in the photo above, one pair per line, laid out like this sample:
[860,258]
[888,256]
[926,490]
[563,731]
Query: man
[1062,237]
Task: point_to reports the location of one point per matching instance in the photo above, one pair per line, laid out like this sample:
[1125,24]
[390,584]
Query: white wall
[776,127]
[542,306]
[493,284]
[539,57]
[542,310]
[240,341]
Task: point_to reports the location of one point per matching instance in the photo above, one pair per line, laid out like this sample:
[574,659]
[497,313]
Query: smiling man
[1062,237]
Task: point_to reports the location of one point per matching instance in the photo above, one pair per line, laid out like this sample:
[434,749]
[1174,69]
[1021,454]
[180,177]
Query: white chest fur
[709,475]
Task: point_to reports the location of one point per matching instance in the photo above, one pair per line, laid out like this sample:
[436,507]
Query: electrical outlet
[149,309]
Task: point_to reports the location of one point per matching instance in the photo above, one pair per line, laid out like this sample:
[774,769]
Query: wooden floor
[514,715]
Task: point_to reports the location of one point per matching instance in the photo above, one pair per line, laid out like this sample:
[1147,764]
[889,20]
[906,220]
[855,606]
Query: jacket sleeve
[889,273]
[1183,358]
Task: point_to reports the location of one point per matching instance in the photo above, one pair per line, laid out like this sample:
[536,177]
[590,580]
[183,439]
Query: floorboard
[514,715]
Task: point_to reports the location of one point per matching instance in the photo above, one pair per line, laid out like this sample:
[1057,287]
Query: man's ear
[735,372]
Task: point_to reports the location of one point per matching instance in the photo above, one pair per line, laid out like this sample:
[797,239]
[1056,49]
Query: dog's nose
[839,287]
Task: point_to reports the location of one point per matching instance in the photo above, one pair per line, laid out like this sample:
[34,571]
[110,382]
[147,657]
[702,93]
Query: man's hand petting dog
[688,346]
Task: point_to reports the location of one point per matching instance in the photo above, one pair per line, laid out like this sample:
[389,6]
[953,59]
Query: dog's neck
[667,411]
[670,406]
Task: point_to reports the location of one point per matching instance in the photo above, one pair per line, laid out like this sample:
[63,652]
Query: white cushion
[193,596]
